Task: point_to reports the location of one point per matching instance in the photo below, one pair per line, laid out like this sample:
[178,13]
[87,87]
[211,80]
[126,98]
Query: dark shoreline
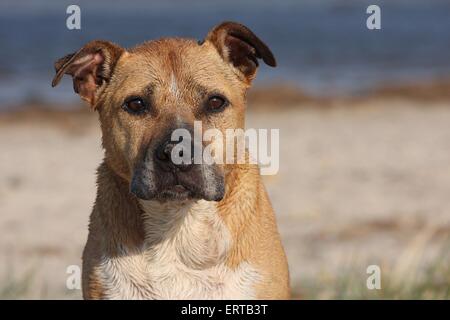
[266,98]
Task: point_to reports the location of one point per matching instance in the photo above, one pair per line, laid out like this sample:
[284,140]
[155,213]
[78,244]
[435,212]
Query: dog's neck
[189,228]
[193,229]
[191,225]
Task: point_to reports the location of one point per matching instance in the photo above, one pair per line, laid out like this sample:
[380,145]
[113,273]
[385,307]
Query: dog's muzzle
[160,176]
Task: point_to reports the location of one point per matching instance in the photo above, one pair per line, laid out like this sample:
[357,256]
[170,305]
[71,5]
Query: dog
[160,230]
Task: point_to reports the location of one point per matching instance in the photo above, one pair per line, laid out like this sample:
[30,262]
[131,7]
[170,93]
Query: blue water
[323,46]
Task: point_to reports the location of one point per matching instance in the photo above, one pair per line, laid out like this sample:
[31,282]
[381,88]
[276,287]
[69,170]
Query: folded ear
[239,46]
[91,67]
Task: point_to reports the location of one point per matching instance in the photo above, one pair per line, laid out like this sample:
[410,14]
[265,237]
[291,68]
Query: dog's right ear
[239,46]
[91,67]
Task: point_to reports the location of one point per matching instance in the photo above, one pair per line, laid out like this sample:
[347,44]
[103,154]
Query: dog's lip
[174,192]
[178,188]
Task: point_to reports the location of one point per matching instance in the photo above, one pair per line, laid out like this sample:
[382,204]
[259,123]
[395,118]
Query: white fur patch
[173,88]
[183,258]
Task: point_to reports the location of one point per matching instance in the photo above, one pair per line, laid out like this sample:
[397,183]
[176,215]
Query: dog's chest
[183,258]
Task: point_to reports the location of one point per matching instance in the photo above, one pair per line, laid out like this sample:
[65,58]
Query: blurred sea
[322,46]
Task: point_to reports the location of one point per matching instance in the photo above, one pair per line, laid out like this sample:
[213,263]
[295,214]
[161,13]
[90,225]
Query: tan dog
[165,231]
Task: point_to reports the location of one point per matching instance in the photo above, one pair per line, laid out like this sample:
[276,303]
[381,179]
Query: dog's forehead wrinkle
[173,86]
[181,70]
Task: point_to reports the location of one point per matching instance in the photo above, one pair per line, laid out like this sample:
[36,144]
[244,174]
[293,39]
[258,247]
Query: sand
[358,185]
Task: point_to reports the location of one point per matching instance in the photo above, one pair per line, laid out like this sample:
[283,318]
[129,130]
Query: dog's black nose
[168,160]
[164,151]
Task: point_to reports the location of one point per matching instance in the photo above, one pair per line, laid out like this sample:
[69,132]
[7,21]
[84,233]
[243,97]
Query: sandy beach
[359,184]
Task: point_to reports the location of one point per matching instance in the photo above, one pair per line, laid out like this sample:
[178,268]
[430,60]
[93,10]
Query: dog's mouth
[175,192]
[164,189]
[171,186]
[175,185]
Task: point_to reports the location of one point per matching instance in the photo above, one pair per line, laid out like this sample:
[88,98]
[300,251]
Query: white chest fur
[183,257]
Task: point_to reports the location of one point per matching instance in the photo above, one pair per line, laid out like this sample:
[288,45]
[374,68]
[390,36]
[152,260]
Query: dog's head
[145,93]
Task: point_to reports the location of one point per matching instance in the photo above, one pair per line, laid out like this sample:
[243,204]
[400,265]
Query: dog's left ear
[90,67]
[239,46]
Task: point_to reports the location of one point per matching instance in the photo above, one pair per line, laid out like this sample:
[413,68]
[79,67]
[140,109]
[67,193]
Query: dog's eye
[135,105]
[216,103]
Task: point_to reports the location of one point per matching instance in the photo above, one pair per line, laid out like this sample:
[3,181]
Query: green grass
[404,280]
[410,277]
[15,287]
